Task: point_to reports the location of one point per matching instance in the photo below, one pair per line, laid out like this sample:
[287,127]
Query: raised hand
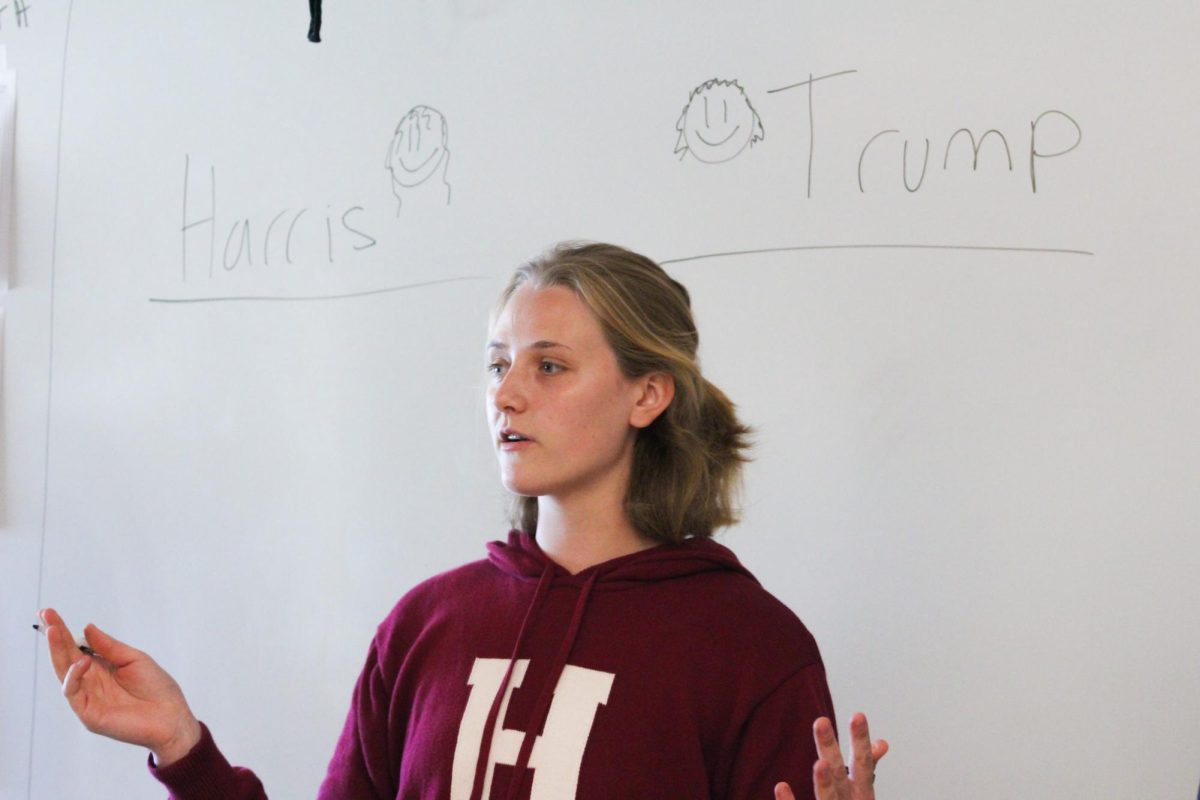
[831,778]
[121,692]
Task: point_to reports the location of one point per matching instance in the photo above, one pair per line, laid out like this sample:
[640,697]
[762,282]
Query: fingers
[784,792]
[831,777]
[113,651]
[73,681]
[83,700]
[824,787]
[827,746]
[866,756]
[63,650]
[829,773]
[862,772]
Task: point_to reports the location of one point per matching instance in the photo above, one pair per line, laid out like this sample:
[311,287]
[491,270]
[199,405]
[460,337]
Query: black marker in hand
[80,642]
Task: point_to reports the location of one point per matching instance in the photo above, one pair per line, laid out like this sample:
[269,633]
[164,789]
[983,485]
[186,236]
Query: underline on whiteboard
[263,298]
[1058,250]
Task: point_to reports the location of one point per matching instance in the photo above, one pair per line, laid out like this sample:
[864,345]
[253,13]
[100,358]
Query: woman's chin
[525,488]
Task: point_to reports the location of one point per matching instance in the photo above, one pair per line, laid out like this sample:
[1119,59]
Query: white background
[975,477]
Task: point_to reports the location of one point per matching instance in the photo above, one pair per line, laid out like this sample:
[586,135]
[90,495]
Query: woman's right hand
[121,692]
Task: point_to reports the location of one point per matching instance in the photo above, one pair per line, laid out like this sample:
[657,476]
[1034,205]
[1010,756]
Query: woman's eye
[495,368]
[550,368]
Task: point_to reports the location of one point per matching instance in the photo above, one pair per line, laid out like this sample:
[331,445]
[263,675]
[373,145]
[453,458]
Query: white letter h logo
[557,754]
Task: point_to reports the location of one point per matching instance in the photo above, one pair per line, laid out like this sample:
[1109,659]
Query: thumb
[111,650]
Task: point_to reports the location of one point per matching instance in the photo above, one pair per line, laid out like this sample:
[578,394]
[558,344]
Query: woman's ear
[657,390]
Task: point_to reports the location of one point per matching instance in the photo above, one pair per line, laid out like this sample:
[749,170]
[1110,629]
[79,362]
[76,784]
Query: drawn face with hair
[419,146]
[718,122]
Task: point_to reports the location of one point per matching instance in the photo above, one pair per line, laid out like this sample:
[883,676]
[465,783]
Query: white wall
[976,470]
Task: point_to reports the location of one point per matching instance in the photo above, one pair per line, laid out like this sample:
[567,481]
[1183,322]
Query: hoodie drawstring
[543,704]
[490,726]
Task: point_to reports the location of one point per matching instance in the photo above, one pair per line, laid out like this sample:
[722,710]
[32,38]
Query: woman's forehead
[553,314]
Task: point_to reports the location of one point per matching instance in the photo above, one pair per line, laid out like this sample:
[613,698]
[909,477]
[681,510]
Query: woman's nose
[509,394]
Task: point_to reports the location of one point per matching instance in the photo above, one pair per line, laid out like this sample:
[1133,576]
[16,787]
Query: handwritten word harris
[209,239]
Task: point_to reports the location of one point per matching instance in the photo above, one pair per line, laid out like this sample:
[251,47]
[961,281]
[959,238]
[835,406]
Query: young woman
[609,648]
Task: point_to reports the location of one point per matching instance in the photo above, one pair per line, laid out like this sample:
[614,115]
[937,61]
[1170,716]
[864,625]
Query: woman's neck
[578,536]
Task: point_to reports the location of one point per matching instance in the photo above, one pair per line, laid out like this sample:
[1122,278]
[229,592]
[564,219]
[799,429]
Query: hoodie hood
[522,558]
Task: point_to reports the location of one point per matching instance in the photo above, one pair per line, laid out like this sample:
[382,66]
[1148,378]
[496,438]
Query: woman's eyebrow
[543,344]
[546,345]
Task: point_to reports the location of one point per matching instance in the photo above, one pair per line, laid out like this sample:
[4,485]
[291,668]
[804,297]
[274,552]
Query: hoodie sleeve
[776,743]
[204,774]
[363,765]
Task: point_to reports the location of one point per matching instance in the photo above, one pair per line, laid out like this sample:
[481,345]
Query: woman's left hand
[831,778]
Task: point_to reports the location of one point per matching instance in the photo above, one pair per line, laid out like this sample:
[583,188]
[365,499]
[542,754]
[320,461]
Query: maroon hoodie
[667,673]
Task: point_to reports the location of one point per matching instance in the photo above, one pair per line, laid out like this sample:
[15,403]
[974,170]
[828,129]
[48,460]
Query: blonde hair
[687,463]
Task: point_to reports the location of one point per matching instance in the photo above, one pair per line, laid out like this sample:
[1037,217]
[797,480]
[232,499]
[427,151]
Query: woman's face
[554,381]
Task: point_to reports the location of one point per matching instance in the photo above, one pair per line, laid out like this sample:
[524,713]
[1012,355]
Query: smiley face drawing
[717,123]
[418,152]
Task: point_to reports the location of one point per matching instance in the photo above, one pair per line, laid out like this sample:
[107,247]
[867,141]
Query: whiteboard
[243,377]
